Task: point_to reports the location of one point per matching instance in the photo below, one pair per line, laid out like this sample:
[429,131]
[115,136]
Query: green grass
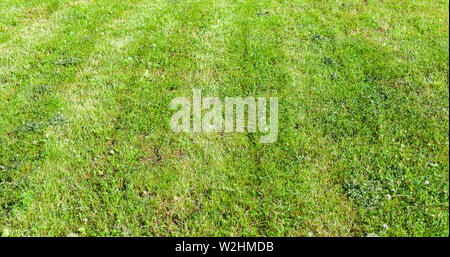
[86,147]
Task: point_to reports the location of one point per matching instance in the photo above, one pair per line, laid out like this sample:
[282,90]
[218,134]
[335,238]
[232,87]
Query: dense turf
[86,147]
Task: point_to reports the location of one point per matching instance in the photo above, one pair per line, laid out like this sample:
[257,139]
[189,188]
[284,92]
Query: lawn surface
[86,147]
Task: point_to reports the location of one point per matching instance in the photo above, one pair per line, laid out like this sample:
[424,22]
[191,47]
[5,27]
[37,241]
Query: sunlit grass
[86,146]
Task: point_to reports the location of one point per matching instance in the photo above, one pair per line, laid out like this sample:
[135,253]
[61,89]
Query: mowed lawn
[86,146]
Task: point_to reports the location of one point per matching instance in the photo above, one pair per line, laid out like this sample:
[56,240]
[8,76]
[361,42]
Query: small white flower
[427,182]
[5,232]
[385,226]
[389,197]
